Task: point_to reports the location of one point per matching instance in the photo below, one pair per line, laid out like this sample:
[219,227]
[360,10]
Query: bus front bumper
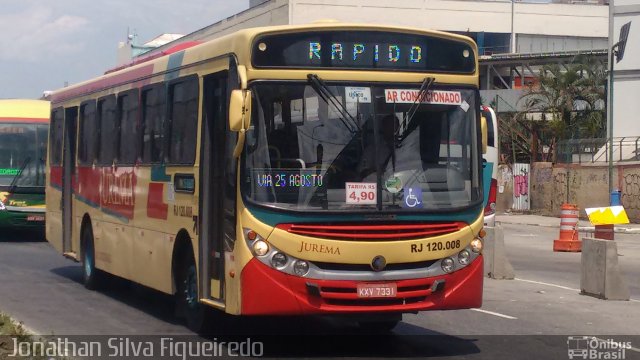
[266,291]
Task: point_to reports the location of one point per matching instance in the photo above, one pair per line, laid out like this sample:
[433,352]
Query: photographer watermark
[593,348]
[136,346]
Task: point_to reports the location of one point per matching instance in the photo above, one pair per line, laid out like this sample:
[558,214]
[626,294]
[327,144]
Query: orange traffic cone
[569,240]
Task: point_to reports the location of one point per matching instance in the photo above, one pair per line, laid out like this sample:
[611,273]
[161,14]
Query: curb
[618,230]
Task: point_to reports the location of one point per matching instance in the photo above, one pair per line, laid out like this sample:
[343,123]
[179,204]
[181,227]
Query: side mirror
[239,110]
[485,134]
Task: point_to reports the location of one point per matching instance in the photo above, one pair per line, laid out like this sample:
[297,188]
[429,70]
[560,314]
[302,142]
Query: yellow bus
[318,169]
[23,146]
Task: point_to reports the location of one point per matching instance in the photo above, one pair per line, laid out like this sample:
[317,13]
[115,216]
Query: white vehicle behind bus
[491,166]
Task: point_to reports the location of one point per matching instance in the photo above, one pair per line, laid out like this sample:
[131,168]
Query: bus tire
[90,275]
[187,297]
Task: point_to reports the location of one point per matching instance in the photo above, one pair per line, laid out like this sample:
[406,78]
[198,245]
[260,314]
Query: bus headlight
[476,245]
[260,248]
[279,260]
[463,257]
[301,267]
[2,205]
[448,265]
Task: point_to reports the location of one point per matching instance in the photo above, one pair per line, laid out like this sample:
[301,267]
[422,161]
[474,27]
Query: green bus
[24,125]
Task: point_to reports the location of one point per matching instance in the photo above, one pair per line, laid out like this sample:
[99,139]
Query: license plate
[377,290]
[35,218]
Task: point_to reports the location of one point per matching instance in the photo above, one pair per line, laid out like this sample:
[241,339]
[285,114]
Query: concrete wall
[586,186]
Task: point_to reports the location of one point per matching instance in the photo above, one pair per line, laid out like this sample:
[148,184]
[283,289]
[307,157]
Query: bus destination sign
[366,50]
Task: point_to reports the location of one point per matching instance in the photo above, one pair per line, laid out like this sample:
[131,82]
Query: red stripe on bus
[88,186]
[105,83]
[55,176]
[24,120]
[156,208]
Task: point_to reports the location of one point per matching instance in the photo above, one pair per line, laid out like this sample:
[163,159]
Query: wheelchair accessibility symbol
[412,197]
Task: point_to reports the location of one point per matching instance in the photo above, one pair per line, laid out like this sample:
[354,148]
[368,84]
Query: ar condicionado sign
[429,97]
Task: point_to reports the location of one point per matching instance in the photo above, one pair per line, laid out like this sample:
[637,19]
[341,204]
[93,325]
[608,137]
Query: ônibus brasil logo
[593,348]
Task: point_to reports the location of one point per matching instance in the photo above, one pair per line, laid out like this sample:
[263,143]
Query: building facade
[497,26]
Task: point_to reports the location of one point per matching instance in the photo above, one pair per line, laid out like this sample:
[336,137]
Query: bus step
[71,255]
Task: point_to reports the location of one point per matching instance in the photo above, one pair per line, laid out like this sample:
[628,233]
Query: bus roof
[24,110]
[237,43]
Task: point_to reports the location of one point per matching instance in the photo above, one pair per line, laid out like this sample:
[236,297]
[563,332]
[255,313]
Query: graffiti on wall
[521,186]
[631,191]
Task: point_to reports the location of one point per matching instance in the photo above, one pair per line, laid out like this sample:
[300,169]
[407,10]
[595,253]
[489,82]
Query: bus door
[68,171]
[216,217]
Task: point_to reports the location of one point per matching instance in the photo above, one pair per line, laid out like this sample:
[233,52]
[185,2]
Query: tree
[567,102]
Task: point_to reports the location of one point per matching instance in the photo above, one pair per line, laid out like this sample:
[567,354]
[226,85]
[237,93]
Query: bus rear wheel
[187,298]
[90,275]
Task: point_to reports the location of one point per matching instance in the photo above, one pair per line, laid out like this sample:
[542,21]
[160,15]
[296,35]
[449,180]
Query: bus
[23,145]
[490,158]
[327,169]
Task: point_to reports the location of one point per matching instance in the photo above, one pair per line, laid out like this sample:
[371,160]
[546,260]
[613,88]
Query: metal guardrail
[578,151]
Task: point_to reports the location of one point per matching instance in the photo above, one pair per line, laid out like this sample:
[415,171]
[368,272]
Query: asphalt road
[530,317]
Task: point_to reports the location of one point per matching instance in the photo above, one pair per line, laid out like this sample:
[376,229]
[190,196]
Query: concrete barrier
[600,273]
[496,264]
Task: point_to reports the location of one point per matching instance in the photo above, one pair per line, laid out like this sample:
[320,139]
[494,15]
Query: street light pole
[610,118]
[618,50]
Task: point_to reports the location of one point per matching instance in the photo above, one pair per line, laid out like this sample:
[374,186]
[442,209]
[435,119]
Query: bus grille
[380,232]
[367,267]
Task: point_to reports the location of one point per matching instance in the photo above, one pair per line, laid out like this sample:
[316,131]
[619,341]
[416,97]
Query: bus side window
[55,137]
[109,130]
[88,134]
[152,124]
[128,114]
[183,121]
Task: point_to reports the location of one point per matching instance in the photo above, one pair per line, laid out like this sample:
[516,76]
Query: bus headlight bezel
[448,265]
[476,245]
[464,257]
[260,247]
[279,260]
[300,267]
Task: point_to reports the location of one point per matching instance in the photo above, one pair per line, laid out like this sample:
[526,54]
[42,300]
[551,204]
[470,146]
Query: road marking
[548,284]
[495,314]
[558,286]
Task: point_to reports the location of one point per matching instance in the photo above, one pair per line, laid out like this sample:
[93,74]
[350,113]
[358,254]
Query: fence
[579,151]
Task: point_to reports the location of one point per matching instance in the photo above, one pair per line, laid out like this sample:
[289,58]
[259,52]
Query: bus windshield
[22,155]
[363,148]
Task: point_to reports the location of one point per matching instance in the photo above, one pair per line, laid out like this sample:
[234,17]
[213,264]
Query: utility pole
[618,50]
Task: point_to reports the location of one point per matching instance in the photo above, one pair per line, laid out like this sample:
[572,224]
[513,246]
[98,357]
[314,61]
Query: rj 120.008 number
[436,246]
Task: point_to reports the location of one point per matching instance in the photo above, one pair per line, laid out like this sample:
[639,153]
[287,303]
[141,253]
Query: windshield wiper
[426,85]
[14,182]
[323,90]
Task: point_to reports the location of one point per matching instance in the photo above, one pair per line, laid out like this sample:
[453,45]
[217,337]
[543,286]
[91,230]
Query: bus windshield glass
[361,148]
[22,154]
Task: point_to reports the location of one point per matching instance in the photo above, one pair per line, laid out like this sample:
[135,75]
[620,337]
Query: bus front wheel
[90,275]
[187,299]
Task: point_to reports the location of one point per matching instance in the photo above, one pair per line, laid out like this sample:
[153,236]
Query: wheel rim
[191,288]
[88,261]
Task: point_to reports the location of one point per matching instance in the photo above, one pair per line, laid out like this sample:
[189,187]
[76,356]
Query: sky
[45,43]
